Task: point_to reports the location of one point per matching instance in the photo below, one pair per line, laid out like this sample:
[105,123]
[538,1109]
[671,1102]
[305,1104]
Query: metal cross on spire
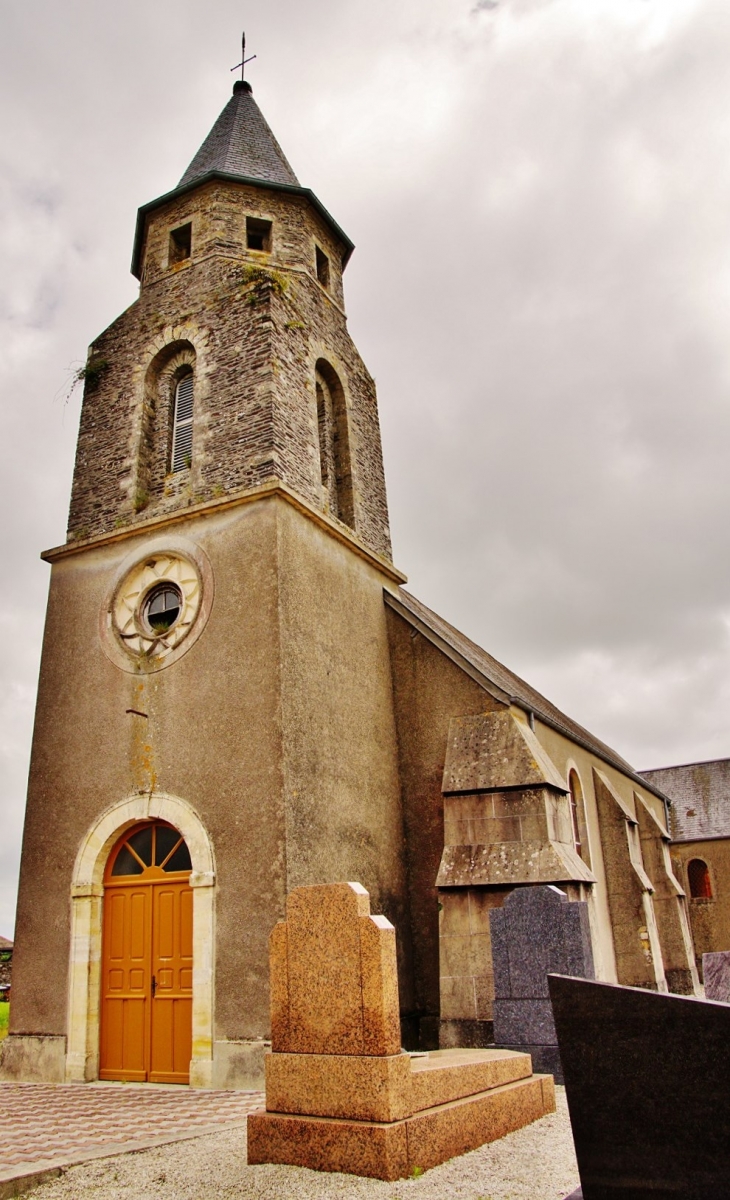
[244,60]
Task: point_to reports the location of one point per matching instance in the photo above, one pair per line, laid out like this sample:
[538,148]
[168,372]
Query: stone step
[452,1074]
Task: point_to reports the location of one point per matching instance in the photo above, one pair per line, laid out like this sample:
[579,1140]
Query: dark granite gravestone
[647,1076]
[537,931]
[716,975]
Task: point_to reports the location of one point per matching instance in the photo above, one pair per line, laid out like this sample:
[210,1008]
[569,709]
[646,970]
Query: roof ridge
[700,762]
[519,691]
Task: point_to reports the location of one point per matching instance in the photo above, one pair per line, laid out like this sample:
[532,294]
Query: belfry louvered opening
[182,430]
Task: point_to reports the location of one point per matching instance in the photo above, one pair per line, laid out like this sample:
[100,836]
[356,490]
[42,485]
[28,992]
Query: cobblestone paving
[51,1122]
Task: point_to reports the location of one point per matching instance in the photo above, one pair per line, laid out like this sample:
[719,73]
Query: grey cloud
[539,288]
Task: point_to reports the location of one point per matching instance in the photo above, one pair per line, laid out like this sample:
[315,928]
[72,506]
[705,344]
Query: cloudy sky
[539,192]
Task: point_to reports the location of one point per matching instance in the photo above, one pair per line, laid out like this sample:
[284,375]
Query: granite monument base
[646,1077]
[385,1121]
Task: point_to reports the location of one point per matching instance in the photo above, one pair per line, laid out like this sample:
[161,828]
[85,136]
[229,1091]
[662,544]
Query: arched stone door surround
[87,890]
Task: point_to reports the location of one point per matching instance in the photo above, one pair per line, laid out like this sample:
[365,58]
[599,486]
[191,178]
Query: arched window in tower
[334,444]
[324,421]
[182,428]
[698,877]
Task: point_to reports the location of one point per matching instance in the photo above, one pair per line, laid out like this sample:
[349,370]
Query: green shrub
[91,372]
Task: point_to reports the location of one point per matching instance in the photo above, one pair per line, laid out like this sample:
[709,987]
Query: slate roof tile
[241,143]
[517,690]
[700,795]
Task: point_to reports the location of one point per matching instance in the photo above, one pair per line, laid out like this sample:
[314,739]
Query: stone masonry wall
[252,325]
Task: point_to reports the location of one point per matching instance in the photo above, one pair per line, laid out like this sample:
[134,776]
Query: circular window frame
[155,589]
[125,639]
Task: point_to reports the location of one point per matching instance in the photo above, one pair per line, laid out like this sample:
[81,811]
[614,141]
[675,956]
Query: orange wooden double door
[147,958]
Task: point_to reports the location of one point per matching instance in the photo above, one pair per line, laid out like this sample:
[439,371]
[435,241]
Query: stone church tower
[237,696]
[216,651]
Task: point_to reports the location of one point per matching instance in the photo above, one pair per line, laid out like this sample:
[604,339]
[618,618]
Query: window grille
[698,875]
[155,845]
[182,433]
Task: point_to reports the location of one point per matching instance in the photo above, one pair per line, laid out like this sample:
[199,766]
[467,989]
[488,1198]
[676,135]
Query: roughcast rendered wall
[276,727]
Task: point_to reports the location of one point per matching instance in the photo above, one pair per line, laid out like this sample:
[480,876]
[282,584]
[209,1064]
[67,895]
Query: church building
[238,695]
[699,822]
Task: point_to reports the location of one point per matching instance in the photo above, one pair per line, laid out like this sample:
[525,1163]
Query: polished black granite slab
[538,930]
[647,1077]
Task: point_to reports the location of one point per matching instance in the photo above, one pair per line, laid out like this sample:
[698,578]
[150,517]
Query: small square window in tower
[258,234]
[323,268]
[181,241]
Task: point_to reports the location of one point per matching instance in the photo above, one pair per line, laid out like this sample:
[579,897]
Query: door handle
[154,986]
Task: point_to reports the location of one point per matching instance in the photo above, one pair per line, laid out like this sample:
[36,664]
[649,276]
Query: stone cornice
[273,488]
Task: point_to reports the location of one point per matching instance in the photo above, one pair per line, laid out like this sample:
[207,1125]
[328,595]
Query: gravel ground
[536,1163]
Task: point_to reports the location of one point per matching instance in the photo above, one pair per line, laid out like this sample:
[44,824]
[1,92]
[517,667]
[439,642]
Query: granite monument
[646,1077]
[536,932]
[341,1095]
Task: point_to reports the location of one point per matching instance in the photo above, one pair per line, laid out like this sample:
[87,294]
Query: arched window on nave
[698,877]
[578,817]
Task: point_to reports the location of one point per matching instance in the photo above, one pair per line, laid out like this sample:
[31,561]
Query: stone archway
[87,889]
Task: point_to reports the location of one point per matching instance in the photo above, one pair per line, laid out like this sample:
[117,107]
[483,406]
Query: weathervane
[244,60]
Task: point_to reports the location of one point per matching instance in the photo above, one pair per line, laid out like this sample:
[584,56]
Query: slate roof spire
[241,147]
[241,143]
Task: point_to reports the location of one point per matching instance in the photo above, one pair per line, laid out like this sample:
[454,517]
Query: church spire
[240,148]
[241,143]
